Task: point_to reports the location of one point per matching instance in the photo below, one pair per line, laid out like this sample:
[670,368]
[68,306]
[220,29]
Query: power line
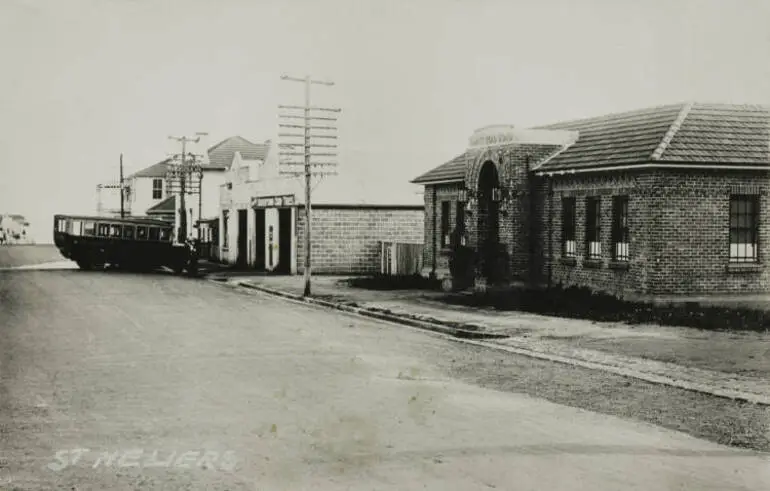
[308,167]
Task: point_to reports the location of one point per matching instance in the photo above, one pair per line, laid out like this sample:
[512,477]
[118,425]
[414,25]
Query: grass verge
[719,420]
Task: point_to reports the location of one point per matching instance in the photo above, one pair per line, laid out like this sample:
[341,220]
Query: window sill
[619,265]
[569,260]
[593,263]
[744,267]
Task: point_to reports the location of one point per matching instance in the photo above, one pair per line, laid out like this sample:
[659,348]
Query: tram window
[103,230]
[165,234]
[115,230]
[128,232]
[77,227]
[154,233]
[141,233]
[62,225]
[89,228]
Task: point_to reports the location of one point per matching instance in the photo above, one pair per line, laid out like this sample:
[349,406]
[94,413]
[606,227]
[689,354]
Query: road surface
[123,381]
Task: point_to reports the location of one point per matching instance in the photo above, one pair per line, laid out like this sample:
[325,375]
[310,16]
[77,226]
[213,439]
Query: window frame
[621,235]
[157,191]
[445,232]
[139,230]
[569,226]
[736,230]
[460,222]
[593,221]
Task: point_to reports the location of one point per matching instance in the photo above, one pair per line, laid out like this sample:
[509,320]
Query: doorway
[488,221]
[242,257]
[284,241]
[259,238]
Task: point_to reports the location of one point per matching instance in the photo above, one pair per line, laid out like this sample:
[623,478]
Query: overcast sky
[83,81]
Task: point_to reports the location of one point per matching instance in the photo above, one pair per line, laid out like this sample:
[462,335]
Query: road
[123,381]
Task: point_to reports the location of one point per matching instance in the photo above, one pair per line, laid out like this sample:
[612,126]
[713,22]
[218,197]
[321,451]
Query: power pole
[182,236]
[122,189]
[307,166]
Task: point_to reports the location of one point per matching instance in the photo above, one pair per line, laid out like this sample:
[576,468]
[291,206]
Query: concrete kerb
[477,338]
[377,314]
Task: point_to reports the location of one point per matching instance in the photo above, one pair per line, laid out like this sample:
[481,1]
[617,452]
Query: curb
[478,339]
[377,314]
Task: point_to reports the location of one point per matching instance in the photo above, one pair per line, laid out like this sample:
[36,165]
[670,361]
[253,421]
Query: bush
[582,303]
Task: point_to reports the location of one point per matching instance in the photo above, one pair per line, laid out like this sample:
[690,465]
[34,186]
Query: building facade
[662,202]
[262,224]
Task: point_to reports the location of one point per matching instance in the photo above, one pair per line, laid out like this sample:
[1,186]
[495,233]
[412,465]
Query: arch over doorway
[488,220]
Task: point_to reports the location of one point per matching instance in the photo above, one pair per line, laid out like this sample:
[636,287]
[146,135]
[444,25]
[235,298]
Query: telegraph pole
[307,165]
[122,189]
[182,183]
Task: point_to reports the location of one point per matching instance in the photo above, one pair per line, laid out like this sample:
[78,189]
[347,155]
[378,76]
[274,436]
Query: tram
[137,244]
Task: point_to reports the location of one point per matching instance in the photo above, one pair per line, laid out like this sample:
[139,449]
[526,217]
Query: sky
[86,80]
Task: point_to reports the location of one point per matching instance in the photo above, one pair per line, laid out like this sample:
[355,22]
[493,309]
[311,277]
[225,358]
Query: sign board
[272,201]
[506,134]
[501,134]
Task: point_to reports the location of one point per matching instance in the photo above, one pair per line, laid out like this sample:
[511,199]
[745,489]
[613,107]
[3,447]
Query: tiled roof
[722,133]
[697,133]
[614,139]
[221,154]
[689,132]
[157,170]
[164,207]
[454,170]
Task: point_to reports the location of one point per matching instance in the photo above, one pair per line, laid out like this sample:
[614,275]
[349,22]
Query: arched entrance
[488,220]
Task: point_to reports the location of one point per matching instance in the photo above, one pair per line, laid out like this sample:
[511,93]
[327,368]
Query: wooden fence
[399,259]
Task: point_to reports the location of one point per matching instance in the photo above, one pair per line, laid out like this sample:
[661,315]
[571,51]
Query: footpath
[725,364]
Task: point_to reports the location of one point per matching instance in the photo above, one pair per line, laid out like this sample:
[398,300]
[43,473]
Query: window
[115,231]
[103,230]
[77,227]
[157,188]
[593,228]
[165,234]
[744,229]
[89,228]
[141,233]
[568,208]
[620,239]
[460,221]
[445,237]
[154,233]
[128,232]
[224,229]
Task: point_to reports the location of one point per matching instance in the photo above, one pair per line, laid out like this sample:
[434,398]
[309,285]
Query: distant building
[14,229]
[661,202]
[262,222]
[148,192]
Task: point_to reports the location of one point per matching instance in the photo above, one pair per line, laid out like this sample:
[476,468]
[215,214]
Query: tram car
[137,244]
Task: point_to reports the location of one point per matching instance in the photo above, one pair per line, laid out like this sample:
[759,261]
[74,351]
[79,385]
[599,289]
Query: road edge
[485,339]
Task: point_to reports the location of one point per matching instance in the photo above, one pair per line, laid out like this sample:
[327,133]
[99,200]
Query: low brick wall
[346,238]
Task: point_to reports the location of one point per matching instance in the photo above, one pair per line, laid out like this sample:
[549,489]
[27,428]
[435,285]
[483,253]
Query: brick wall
[345,239]
[679,233]
[432,216]
[603,275]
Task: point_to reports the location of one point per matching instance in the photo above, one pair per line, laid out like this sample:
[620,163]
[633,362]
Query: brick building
[262,222]
[660,202]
